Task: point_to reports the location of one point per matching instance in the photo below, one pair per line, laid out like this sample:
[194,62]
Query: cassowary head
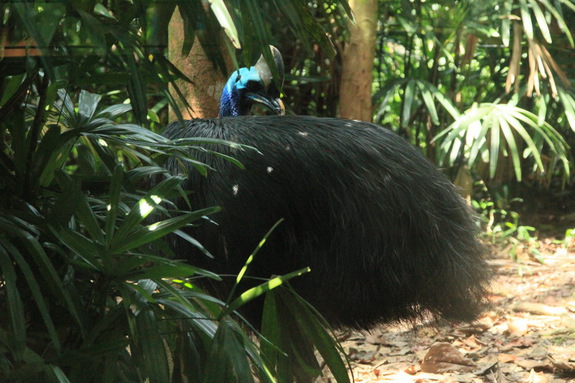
[248,86]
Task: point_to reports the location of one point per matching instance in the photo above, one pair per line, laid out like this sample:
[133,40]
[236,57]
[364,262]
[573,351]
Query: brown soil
[528,336]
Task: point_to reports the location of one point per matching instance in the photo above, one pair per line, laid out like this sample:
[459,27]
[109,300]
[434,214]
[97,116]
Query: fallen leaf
[376,339]
[523,342]
[411,370]
[443,357]
[489,368]
[473,342]
[541,328]
[537,308]
[530,364]
[506,358]
[517,327]
[565,366]
[364,356]
[537,377]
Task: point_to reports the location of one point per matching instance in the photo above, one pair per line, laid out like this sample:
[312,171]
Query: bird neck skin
[232,101]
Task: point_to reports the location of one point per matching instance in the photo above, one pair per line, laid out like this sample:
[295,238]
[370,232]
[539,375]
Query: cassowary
[386,235]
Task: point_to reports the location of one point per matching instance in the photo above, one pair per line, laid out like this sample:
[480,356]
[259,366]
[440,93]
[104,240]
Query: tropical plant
[490,132]
[89,285]
[74,267]
[459,65]
[503,229]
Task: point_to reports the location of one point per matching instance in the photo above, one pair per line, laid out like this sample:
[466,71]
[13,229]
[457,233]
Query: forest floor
[528,336]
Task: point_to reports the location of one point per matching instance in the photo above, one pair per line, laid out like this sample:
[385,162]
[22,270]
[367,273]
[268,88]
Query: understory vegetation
[484,89]
[89,288]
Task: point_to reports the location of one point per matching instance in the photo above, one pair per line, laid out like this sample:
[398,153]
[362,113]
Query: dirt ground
[528,336]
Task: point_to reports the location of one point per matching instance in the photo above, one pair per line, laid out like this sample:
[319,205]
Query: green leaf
[526,19]
[194,242]
[511,121]
[408,98]
[32,362]
[306,26]
[114,111]
[136,88]
[87,104]
[86,249]
[36,292]
[263,288]
[190,12]
[506,22]
[554,9]
[254,253]
[314,328]
[113,209]
[89,220]
[111,320]
[58,374]
[291,329]
[14,303]
[164,271]
[158,230]
[66,203]
[477,143]
[427,95]
[51,155]
[444,101]
[495,150]
[225,20]
[568,102]
[541,21]
[197,320]
[518,127]
[41,24]
[514,152]
[150,343]
[226,358]
[144,207]
[94,30]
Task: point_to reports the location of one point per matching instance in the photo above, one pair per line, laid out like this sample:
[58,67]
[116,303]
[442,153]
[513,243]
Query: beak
[274,104]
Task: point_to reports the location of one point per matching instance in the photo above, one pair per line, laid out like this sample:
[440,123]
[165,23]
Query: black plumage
[386,235]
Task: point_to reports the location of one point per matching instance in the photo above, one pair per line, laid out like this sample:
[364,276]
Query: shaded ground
[529,336]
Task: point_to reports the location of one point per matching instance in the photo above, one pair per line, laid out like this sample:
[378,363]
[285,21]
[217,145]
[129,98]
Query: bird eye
[254,86]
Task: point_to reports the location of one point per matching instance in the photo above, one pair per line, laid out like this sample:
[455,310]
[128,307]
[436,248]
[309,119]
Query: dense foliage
[464,90]
[89,288]
[485,89]
[484,86]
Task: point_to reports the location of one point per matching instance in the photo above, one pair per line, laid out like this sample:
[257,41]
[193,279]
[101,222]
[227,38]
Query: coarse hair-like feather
[386,235]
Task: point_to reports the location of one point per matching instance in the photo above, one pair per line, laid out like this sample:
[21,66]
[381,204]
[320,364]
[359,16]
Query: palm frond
[488,132]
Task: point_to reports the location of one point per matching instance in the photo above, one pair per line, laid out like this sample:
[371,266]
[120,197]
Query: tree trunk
[203,93]
[357,67]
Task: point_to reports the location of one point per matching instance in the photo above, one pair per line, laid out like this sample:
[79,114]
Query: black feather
[386,235]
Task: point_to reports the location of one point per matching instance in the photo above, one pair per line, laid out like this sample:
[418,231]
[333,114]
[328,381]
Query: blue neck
[232,101]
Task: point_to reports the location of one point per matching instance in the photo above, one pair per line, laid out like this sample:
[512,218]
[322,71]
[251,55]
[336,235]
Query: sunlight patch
[146,208]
